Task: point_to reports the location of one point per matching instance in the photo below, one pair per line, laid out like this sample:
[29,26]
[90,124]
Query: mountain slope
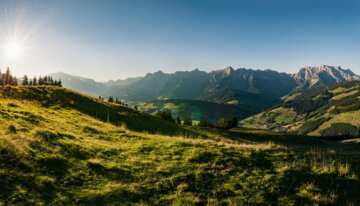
[116,114]
[81,84]
[52,153]
[326,111]
[249,104]
[202,85]
[196,109]
[90,86]
[325,75]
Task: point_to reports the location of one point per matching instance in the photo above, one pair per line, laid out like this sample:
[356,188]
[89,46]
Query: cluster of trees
[223,123]
[343,130]
[116,101]
[312,125]
[46,80]
[166,115]
[8,79]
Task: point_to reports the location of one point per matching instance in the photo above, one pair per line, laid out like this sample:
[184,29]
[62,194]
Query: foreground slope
[59,98]
[326,111]
[59,155]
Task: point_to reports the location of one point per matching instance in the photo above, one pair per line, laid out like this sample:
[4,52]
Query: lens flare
[13,50]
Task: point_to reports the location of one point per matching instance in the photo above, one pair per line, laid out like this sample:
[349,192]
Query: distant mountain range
[251,90]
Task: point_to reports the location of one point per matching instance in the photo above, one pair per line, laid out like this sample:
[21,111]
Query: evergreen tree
[1,78]
[111,99]
[34,81]
[188,121]
[7,78]
[206,123]
[25,80]
[165,114]
[40,81]
[14,81]
[178,120]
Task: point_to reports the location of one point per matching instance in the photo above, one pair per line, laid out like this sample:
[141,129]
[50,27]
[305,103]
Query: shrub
[91,130]
[188,121]
[46,135]
[206,123]
[227,123]
[12,129]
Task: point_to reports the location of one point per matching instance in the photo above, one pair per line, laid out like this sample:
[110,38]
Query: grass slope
[58,98]
[59,155]
[315,112]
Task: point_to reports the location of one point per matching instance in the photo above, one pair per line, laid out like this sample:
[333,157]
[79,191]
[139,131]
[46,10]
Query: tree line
[223,123]
[8,79]
[116,100]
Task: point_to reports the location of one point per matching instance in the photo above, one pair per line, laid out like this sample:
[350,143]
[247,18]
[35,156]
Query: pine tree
[178,120]
[25,80]
[14,81]
[34,82]
[188,121]
[1,78]
[7,78]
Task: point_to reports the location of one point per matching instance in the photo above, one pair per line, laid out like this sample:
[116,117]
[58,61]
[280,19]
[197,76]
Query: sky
[104,39]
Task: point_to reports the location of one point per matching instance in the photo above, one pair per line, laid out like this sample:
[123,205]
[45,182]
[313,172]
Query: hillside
[197,110]
[325,111]
[204,110]
[60,98]
[54,152]
[312,77]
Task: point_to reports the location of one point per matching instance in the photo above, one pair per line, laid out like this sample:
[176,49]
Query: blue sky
[126,38]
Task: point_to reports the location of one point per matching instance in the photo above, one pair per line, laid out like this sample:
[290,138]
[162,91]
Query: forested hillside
[327,111]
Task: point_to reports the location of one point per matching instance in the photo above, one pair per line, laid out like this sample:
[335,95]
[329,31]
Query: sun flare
[13,50]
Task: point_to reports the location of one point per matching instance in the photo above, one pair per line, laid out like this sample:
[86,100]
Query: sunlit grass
[59,155]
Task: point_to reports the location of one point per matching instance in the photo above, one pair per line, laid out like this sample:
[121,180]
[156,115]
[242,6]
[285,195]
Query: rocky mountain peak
[228,70]
[324,75]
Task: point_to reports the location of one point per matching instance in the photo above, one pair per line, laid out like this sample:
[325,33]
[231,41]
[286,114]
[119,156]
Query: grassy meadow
[54,153]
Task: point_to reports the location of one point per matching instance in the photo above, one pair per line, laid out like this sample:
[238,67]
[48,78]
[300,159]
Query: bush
[188,121]
[12,129]
[206,123]
[47,135]
[227,123]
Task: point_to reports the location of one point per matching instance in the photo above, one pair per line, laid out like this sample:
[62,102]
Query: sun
[13,50]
